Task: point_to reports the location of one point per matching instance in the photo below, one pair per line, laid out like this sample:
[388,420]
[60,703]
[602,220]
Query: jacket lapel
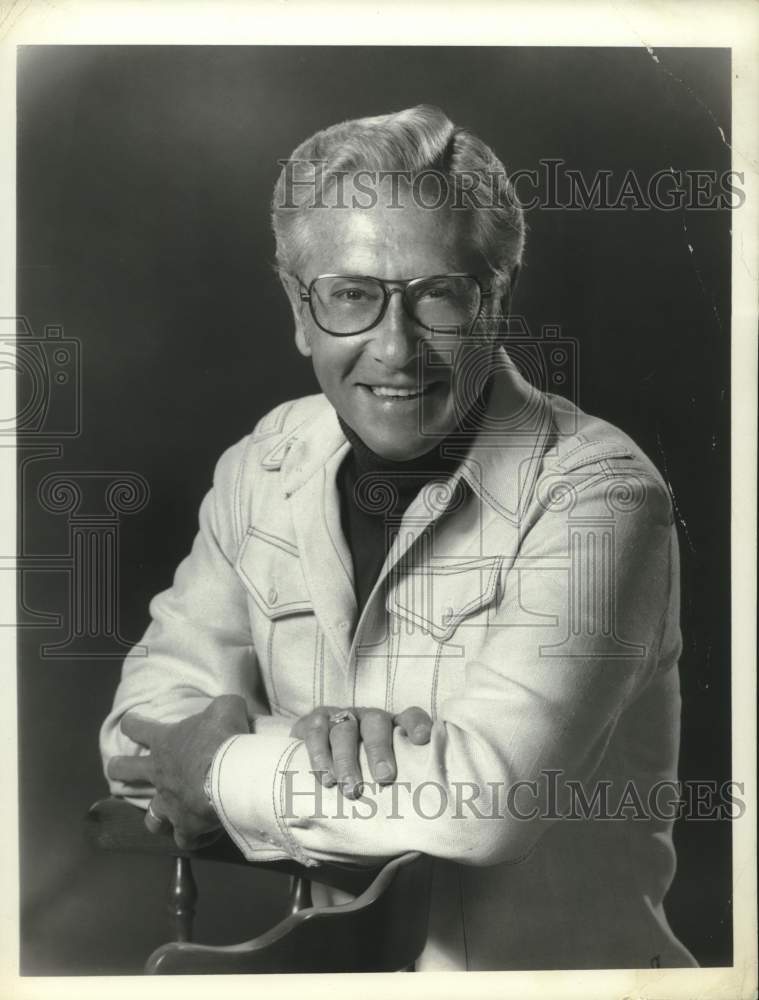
[500,468]
[310,486]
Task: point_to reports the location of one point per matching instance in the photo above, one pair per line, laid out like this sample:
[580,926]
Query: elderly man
[449,596]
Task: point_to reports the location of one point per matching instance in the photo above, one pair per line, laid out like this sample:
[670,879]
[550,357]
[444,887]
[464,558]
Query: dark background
[144,179]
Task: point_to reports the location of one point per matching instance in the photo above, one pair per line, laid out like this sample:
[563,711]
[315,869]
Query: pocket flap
[590,452]
[270,568]
[439,596]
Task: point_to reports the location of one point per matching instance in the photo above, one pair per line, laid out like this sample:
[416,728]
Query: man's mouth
[390,392]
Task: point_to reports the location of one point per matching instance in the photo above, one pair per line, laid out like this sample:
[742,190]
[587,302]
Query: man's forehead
[407,237]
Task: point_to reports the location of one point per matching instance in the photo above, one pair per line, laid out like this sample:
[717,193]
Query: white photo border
[668,23]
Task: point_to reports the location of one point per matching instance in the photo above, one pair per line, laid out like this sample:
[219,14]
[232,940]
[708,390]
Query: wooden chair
[383,929]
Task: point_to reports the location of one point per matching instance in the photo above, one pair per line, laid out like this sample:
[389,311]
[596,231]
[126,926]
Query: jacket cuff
[281,724]
[247,793]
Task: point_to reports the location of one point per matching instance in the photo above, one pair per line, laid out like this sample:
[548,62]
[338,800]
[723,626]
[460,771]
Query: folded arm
[198,645]
[525,709]
[521,712]
[194,679]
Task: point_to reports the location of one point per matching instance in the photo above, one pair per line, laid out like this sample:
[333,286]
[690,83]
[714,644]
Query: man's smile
[394,394]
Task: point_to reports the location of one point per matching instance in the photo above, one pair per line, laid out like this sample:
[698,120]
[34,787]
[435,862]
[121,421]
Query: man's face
[357,372]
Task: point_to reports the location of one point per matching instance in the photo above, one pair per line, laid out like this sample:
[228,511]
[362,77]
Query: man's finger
[131,769]
[139,729]
[377,737]
[343,739]
[316,737]
[416,724]
[155,818]
[300,726]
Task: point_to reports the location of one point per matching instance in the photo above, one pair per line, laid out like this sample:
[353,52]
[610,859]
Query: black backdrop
[144,178]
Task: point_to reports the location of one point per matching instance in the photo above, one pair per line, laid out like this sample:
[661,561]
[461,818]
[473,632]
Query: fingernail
[351,789]
[328,779]
[422,732]
[383,770]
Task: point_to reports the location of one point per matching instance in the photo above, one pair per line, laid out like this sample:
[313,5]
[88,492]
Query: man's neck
[365,460]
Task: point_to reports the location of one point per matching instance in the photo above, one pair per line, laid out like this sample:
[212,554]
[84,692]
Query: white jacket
[530,604]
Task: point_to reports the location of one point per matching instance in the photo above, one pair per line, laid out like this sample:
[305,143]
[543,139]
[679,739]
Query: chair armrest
[114,825]
[383,930]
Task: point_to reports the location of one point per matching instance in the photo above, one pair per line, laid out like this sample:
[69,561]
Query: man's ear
[299,307]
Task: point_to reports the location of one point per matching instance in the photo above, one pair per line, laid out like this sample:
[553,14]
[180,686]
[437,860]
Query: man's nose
[397,336]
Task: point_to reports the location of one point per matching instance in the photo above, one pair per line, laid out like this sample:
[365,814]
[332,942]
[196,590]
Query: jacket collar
[309,448]
[499,466]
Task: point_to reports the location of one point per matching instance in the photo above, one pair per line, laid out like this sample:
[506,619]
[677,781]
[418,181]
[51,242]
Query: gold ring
[154,815]
[343,716]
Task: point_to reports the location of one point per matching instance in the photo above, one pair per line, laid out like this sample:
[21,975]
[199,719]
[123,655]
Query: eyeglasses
[347,304]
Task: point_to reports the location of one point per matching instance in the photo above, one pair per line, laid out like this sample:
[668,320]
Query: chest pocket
[270,568]
[438,598]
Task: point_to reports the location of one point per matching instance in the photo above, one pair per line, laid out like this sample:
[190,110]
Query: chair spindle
[183,894]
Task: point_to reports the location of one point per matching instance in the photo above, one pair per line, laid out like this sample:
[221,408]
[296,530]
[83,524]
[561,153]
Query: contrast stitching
[237,519]
[323,512]
[225,818]
[270,659]
[277,417]
[318,668]
[299,605]
[434,685]
[578,447]
[321,667]
[483,599]
[281,543]
[296,850]
[391,667]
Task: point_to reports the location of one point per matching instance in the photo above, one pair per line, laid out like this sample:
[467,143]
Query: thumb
[231,711]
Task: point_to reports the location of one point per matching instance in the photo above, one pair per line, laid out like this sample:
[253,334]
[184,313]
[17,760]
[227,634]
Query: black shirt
[375,493]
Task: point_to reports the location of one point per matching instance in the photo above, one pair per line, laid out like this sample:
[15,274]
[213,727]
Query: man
[434,580]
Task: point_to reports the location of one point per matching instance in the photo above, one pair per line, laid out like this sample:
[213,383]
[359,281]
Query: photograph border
[733,25]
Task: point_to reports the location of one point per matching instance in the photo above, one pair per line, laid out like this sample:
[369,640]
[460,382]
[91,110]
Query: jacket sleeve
[530,703]
[198,644]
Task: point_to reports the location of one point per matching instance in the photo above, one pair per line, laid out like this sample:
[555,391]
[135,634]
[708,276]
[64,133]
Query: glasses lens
[449,302]
[345,305]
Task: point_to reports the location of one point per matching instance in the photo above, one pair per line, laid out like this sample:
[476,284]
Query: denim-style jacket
[529,603]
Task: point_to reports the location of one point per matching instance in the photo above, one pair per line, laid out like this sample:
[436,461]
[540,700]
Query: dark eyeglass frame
[404,283]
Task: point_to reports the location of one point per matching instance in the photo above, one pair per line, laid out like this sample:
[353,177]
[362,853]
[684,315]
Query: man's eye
[351,295]
[437,292]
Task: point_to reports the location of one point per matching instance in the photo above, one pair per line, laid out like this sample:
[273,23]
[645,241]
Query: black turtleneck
[375,493]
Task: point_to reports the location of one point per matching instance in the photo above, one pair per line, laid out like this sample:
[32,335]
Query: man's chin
[392,451]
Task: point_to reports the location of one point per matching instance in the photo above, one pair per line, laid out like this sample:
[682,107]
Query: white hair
[414,142]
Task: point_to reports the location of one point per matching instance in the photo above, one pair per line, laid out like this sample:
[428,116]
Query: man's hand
[333,750]
[180,754]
